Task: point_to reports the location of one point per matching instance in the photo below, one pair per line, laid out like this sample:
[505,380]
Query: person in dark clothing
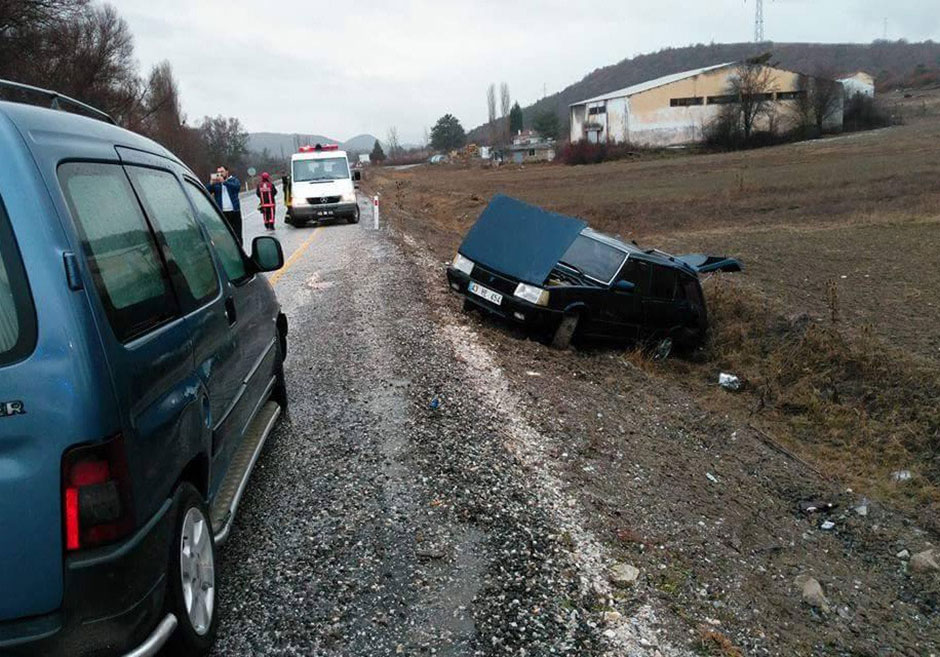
[225,187]
[266,192]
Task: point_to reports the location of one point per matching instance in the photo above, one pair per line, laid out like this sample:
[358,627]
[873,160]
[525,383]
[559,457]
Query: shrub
[864,113]
[585,152]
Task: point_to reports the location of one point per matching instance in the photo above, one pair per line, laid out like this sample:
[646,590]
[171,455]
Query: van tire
[355,218]
[565,331]
[186,640]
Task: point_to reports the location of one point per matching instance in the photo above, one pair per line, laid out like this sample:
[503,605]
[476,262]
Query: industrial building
[677,109]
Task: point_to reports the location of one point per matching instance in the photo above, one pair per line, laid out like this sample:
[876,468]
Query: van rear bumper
[113,599]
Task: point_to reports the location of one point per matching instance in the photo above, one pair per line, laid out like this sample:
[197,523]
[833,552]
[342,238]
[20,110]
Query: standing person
[266,192]
[225,187]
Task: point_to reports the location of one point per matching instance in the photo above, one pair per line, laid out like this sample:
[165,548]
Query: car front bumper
[513,309]
[113,599]
[323,212]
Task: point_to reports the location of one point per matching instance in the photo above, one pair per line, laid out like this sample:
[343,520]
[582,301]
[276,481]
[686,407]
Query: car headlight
[349,197]
[463,264]
[296,200]
[532,294]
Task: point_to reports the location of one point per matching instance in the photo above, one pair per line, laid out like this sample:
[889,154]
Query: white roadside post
[375,210]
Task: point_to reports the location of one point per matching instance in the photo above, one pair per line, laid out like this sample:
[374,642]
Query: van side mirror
[624,286]
[266,253]
[357,175]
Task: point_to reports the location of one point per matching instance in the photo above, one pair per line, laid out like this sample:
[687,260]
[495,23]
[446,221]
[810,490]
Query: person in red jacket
[266,192]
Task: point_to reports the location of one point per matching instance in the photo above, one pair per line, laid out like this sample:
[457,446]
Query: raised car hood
[705,263]
[520,240]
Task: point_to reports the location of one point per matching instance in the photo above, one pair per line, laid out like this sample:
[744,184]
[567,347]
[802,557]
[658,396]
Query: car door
[142,329]
[206,308]
[659,304]
[251,314]
[626,307]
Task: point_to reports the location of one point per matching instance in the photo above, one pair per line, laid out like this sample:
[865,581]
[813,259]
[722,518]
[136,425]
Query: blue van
[141,370]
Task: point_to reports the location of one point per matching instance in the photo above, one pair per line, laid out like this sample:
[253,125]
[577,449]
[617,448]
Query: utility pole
[759,22]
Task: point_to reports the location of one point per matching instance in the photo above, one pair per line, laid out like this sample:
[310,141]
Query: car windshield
[593,258]
[333,168]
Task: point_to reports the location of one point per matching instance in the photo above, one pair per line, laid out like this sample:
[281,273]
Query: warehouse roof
[652,84]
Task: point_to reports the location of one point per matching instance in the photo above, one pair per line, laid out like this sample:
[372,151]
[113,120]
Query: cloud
[343,68]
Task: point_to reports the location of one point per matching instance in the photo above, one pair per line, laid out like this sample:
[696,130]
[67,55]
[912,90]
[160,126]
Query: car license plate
[493,297]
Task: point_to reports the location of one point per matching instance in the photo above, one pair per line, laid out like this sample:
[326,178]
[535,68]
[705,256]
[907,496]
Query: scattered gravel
[374,523]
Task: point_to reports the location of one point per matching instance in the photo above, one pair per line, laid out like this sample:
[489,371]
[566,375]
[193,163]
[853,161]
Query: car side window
[638,273]
[129,274]
[169,210]
[663,283]
[230,253]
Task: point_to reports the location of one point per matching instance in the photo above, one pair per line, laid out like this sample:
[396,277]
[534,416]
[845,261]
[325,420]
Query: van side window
[126,267]
[17,316]
[663,282]
[169,210]
[230,253]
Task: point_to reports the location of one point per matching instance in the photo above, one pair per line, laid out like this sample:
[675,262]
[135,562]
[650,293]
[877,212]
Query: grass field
[834,323]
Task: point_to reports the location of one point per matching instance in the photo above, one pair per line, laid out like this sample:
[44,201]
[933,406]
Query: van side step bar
[239,470]
[161,634]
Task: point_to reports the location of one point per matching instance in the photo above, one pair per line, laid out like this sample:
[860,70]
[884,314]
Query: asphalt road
[385,515]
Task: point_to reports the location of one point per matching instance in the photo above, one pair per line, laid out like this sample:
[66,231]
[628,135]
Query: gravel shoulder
[386,514]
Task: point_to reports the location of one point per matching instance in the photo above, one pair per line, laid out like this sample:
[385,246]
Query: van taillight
[96,495]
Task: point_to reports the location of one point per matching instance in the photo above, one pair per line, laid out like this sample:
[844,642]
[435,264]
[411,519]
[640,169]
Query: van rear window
[17,315]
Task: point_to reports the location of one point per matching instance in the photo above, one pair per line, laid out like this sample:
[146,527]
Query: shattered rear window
[595,259]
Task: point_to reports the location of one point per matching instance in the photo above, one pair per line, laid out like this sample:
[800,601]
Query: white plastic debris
[712,478]
[729,381]
[827,526]
[902,475]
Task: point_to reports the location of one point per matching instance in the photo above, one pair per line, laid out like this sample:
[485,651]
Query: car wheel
[565,331]
[355,218]
[468,306]
[191,589]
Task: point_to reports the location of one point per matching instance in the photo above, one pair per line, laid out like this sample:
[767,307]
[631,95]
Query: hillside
[887,61]
[282,144]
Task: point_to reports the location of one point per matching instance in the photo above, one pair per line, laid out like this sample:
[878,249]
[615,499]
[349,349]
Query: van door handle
[230,311]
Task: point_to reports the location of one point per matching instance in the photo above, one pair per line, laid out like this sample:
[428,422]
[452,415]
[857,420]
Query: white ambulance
[322,186]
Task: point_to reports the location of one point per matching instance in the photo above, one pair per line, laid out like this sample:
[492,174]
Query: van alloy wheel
[197,570]
[192,592]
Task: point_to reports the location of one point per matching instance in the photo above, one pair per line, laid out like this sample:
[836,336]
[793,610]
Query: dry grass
[716,644]
[834,322]
[856,407]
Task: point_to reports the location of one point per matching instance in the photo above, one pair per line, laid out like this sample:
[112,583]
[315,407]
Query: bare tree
[393,145]
[491,111]
[505,101]
[826,99]
[752,85]
[817,100]
[427,136]
[23,24]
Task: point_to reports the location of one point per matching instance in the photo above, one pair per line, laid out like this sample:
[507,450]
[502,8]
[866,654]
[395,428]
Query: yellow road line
[293,257]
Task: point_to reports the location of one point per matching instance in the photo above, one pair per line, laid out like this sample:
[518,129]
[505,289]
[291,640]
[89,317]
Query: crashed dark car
[555,275]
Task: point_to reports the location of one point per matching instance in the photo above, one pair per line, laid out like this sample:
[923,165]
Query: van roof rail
[56,100]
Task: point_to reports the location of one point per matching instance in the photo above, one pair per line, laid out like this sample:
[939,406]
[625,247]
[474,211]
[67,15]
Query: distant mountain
[360,144]
[889,61]
[282,145]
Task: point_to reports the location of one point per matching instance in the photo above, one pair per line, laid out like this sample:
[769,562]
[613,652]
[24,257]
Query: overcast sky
[346,67]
